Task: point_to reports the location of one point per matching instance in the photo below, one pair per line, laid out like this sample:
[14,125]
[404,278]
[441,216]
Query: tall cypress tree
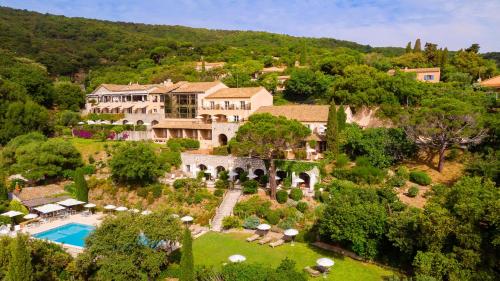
[20,260]
[341,118]
[187,262]
[332,130]
[4,193]
[418,46]
[408,48]
[82,189]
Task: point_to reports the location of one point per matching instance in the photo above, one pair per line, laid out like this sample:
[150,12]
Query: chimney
[167,82]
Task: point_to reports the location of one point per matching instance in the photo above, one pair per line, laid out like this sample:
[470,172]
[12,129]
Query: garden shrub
[231,222]
[287,223]
[184,144]
[281,196]
[198,198]
[219,192]
[342,161]
[300,154]
[302,206]
[273,217]
[170,157]
[253,206]
[88,169]
[367,174]
[186,183]
[156,189]
[396,181]
[251,222]
[325,196]
[420,177]
[221,150]
[91,159]
[221,184]
[250,187]
[142,192]
[296,194]
[403,172]
[341,173]
[317,195]
[413,191]
[287,182]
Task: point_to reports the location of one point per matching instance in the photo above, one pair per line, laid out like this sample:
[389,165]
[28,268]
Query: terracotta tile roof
[493,82]
[196,87]
[131,87]
[273,69]
[417,70]
[302,113]
[187,124]
[162,88]
[235,93]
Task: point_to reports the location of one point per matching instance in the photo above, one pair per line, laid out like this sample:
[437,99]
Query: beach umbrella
[263,226]
[146,212]
[299,180]
[121,209]
[199,117]
[12,214]
[187,219]
[146,124]
[90,122]
[237,258]
[292,233]
[81,123]
[277,178]
[105,122]
[325,263]
[110,207]
[233,174]
[175,216]
[30,216]
[252,175]
[89,205]
[135,211]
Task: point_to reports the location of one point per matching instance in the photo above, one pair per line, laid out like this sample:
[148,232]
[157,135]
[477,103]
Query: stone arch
[124,122]
[140,122]
[219,169]
[202,167]
[222,139]
[306,178]
[281,174]
[154,122]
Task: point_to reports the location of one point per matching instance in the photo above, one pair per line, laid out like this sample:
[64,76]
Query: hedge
[413,191]
[251,222]
[250,187]
[420,177]
[302,206]
[231,222]
[273,217]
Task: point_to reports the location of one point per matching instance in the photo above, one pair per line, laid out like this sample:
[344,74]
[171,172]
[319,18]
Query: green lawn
[213,249]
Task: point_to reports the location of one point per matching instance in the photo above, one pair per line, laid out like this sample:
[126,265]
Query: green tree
[135,163]
[22,117]
[187,262]
[418,46]
[341,118]
[20,268]
[267,137]
[408,48]
[305,84]
[81,187]
[68,96]
[332,130]
[441,123]
[4,193]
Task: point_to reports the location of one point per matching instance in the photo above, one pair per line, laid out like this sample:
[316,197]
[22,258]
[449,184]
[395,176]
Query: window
[242,104]
[428,77]
[154,110]
[188,168]
[212,105]
[155,98]
[226,104]
[236,118]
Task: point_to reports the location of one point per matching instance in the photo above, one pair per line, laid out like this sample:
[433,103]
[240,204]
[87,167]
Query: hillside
[66,45]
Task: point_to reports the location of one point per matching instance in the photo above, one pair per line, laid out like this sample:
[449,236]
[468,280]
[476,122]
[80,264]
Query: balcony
[247,106]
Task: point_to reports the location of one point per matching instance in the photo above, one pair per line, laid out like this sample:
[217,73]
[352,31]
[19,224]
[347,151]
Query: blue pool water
[71,233]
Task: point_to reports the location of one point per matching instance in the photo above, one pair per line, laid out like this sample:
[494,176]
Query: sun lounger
[265,240]
[312,272]
[277,243]
[253,238]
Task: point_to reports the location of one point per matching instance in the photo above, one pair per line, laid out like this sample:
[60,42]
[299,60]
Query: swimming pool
[71,234]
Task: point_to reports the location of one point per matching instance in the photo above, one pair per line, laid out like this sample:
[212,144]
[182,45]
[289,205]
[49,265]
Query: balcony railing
[229,107]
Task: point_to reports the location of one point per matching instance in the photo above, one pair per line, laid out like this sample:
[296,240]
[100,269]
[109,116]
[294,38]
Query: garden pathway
[226,208]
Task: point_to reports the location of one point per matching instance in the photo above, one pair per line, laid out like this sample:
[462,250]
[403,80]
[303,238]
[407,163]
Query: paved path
[225,208]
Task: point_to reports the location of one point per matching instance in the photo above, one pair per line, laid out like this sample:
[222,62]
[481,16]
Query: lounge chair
[312,272]
[253,238]
[265,240]
[277,243]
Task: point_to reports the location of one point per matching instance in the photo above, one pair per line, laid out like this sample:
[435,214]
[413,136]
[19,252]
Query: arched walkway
[219,169]
[125,122]
[222,139]
[140,122]
[307,180]
[154,122]
[281,174]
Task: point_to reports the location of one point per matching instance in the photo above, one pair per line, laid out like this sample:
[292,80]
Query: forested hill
[66,45]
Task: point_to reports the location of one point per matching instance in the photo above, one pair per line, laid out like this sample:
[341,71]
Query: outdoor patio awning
[12,214]
[49,208]
[70,202]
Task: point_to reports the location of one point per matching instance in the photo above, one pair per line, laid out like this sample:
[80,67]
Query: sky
[454,24]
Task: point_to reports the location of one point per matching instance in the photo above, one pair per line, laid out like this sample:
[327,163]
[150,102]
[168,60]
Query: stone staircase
[225,209]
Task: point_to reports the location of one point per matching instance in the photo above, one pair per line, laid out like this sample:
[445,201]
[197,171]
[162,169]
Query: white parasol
[264,226]
[237,258]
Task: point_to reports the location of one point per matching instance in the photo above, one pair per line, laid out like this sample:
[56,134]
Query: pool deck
[93,220]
